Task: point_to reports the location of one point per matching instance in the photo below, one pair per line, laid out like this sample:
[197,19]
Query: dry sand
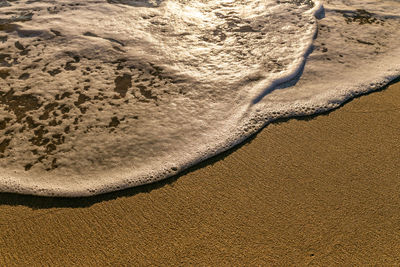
[322,190]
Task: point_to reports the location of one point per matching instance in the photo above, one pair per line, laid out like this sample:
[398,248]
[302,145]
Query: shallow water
[97,96]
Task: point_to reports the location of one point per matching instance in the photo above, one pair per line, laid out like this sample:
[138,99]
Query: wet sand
[319,190]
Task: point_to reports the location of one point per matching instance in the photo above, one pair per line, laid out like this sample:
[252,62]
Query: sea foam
[97,96]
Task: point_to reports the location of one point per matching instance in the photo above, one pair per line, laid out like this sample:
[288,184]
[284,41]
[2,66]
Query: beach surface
[317,190]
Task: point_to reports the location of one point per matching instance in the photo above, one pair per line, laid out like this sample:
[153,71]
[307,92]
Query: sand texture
[322,190]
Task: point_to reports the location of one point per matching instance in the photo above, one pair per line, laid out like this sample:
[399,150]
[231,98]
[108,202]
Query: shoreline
[85,191]
[58,162]
[257,203]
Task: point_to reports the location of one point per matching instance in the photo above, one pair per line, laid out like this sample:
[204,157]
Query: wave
[98,96]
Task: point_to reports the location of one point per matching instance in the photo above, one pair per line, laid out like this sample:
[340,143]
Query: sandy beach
[320,190]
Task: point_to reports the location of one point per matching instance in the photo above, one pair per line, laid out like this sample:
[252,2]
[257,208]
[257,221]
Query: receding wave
[97,96]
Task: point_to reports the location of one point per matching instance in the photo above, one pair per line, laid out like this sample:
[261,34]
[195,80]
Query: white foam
[129,92]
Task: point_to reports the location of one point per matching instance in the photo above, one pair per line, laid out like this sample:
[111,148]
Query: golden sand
[322,190]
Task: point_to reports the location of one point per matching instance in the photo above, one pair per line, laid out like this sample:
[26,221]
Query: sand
[321,190]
